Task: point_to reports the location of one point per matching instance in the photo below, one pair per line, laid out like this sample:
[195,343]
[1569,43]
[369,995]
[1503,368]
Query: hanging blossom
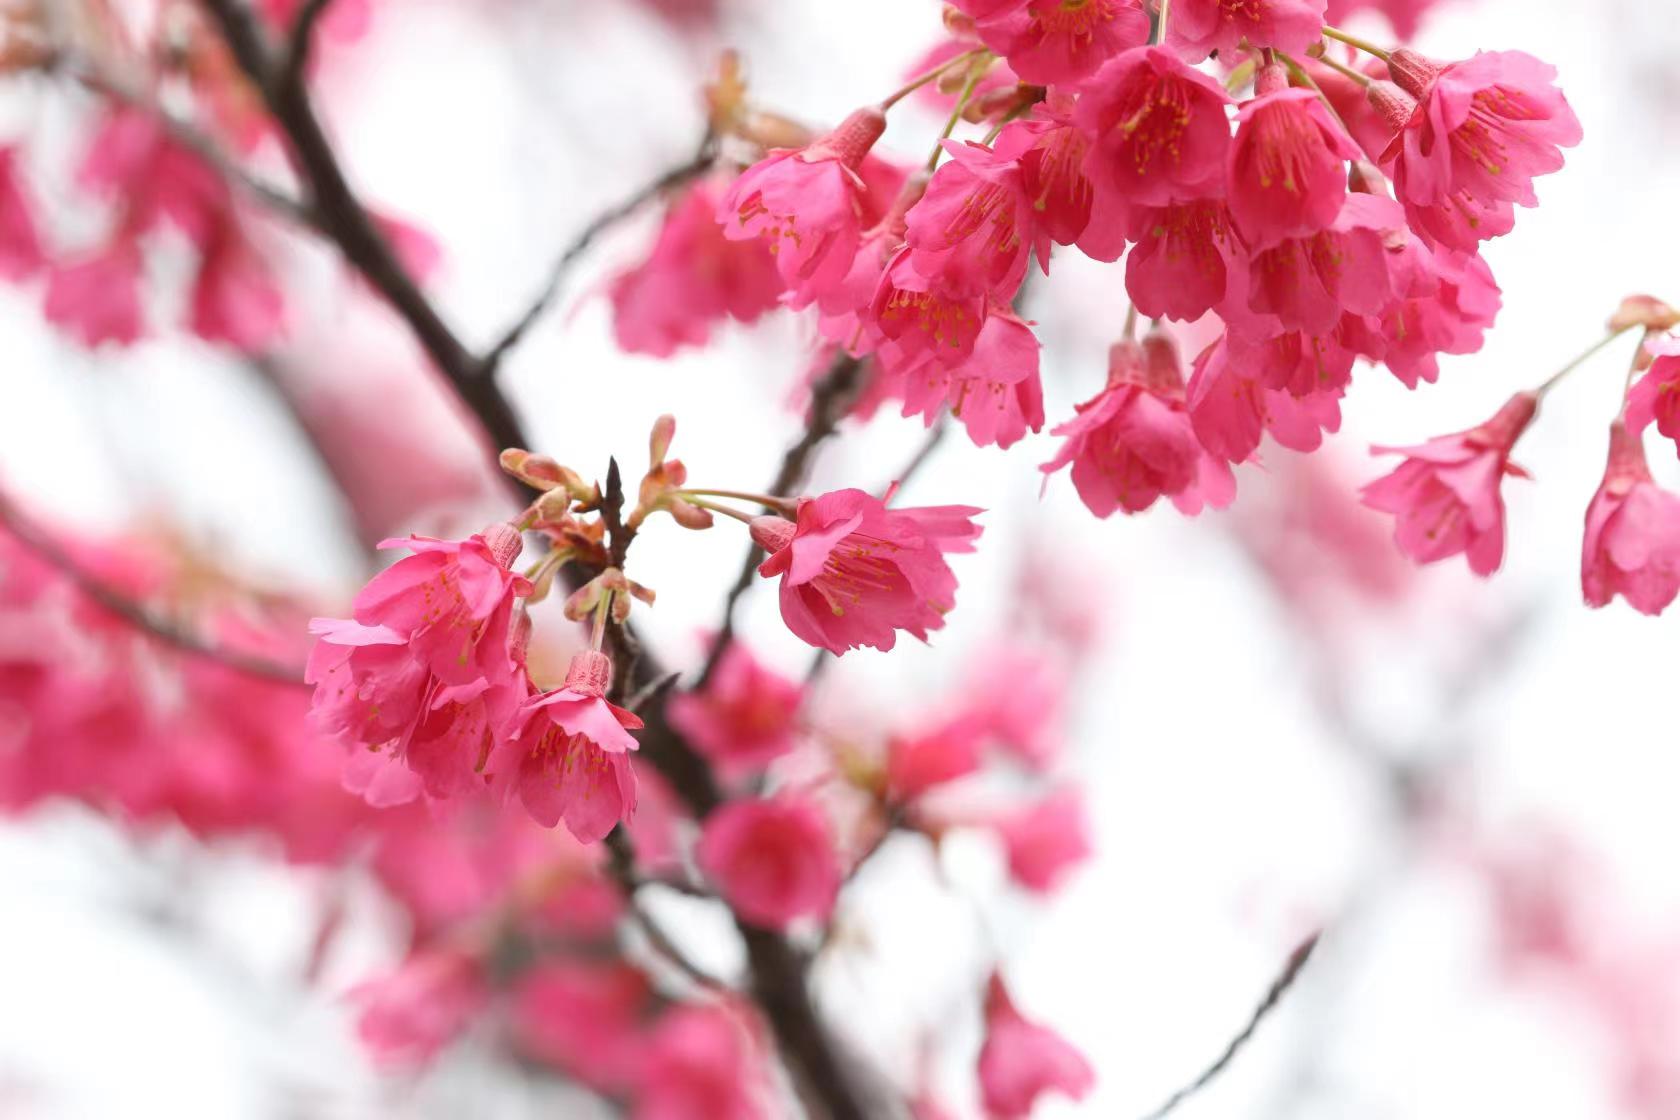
[854,572]
[1021,1061]
[417,682]
[1198,28]
[1054,41]
[566,753]
[1632,542]
[773,859]
[1445,496]
[1655,398]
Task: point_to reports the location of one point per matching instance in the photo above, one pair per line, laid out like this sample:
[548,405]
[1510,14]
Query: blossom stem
[598,633]
[780,505]
[1241,75]
[1160,35]
[1131,322]
[727,511]
[974,76]
[923,79]
[1354,41]
[1299,73]
[1359,79]
[1014,114]
[1580,359]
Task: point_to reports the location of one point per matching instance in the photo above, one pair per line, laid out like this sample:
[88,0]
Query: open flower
[773,859]
[1445,496]
[566,754]
[1632,543]
[1021,1061]
[1158,129]
[1288,167]
[1200,27]
[1656,396]
[854,572]
[808,204]
[1053,41]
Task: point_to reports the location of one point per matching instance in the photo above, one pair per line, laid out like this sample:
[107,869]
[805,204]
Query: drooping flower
[1046,839]
[699,1064]
[1158,129]
[994,391]
[1133,442]
[1230,407]
[1632,542]
[922,760]
[1655,397]
[1449,316]
[693,277]
[585,1019]
[417,684]
[1309,282]
[1481,131]
[745,718]
[1051,42]
[773,859]
[409,1016]
[1021,1061]
[925,316]
[1184,261]
[566,754]
[1200,27]
[854,572]
[808,205]
[234,299]
[1445,496]
[976,227]
[20,243]
[1288,167]
[1050,151]
[97,297]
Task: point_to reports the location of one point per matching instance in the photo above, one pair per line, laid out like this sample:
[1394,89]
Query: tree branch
[302,38]
[697,165]
[1280,986]
[136,615]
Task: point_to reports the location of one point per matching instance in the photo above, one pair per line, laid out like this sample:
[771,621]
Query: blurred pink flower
[773,860]
[410,1015]
[1021,1061]
[745,719]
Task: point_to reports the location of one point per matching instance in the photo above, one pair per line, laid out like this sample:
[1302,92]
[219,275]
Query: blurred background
[1276,723]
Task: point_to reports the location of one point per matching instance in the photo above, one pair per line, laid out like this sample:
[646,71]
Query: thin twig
[621,862]
[136,615]
[696,165]
[831,398]
[1280,986]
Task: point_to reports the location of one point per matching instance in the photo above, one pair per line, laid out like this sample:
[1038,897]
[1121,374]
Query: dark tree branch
[136,615]
[621,863]
[344,221]
[302,39]
[669,180]
[831,398]
[1280,986]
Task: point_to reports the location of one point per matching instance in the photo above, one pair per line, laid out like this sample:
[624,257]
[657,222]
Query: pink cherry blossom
[1230,407]
[855,571]
[1050,151]
[566,754]
[700,1064]
[1021,1061]
[976,227]
[694,277]
[1158,129]
[1309,282]
[407,1017]
[1057,41]
[1656,395]
[922,760]
[1133,442]
[417,684]
[1185,259]
[745,718]
[1017,696]
[1632,543]
[1288,173]
[1481,131]
[1046,839]
[584,1019]
[96,298]
[1197,28]
[20,244]
[1445,496]
[994,391]
[234,299]
[927,317]
[808,205]
[772,859]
